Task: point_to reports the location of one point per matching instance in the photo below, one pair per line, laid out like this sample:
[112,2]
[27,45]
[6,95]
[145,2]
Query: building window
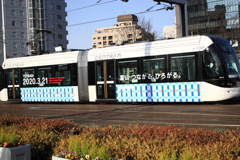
[21,24]
[99,38]
[52,16]
[14,34]
[12,2]
[13,13]
[53,36]
[22,45]
[20,2]
[59,17]
[22,35]
[53,25]
[60,36]
[59,7]
[14,45]
[13,23]
[21,13]
[59,26]
[52,6]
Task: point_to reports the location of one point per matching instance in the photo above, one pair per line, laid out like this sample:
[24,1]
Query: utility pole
[181,14]
[3,30]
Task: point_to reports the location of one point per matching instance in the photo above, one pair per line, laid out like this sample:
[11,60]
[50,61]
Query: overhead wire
[92,5]
[147,11]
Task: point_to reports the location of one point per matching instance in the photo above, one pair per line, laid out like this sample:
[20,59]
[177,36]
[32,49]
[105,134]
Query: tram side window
[212,64]
[127,72]
[1,78]
[28,77]
[44,73]
[183,68]
[62,76]
[91,73]
[153,70]
[74,75]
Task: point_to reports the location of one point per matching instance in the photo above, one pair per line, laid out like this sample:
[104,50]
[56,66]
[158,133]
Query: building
[169,32]
[215,18]
[126,31]
[40,24]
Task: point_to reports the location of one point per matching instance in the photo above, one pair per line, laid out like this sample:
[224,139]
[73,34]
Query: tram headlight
[227,84]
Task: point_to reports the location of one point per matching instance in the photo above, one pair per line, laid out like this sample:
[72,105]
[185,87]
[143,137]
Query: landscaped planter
[16,153]
[57,158]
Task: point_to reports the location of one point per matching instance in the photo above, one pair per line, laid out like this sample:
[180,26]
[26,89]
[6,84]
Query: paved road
[182,115]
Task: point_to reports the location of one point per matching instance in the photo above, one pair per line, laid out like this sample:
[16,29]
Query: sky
[82,13]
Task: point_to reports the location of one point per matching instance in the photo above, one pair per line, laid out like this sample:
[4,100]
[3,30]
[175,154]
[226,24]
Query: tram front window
[229,57]
[231,64]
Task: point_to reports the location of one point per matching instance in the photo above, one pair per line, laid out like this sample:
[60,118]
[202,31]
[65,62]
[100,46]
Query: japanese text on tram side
[161,76]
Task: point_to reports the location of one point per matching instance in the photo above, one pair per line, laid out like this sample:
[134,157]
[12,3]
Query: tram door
[105,80]
[13,84]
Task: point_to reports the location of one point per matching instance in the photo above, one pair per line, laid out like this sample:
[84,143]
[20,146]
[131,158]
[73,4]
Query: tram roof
[160,47]
[42,60]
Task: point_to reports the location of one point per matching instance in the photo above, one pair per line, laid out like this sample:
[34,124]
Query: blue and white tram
[188,69]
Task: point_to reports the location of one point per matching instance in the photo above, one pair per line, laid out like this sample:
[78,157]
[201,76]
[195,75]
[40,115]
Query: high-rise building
[215,18]
[126,31]
[33,27]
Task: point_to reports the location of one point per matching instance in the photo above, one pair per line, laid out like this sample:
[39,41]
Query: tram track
[194,115]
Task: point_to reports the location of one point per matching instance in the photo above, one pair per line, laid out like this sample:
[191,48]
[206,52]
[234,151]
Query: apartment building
[170,31]
[126,31]
[39,23]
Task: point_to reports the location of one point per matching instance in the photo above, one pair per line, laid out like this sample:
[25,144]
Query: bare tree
[129,34]
[148,32]
[142,31]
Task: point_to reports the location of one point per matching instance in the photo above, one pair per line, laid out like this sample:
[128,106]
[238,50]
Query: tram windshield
[229,57]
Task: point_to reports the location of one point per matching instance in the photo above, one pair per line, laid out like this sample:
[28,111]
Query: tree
[146,24]
[142,31]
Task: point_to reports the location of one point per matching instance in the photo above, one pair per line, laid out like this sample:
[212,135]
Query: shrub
[50,137]
[9,137]
[41,134]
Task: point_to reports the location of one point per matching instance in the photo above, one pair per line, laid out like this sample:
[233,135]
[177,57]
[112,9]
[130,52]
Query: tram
[188,69]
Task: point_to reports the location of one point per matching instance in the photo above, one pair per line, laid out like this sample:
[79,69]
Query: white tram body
[174,70]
